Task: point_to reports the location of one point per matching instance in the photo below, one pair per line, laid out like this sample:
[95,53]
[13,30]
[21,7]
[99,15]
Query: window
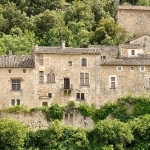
[44,104]
[119,68]
[51,78]
[24,70]
[83,62]
[9,71]
[41,60]
[69,63]
[80,96]
[16,85]
[132,52]
[103,57]
[50,95]
[142,68]
[12,102]
[41,77]
[112,82]
[15,102]
[84,78]
[131,68]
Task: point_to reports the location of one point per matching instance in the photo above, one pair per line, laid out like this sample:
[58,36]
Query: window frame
[84,79]
[142,70]
[119,68]
[15,102]
[69,63]
[132,52]
[80,96]
[113,82]
[84,62]
[16,84]
[41,77]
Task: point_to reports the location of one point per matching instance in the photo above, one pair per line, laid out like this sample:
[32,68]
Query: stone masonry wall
[135,19]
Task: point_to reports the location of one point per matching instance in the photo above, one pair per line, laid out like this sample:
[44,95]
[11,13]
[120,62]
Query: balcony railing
[67,87]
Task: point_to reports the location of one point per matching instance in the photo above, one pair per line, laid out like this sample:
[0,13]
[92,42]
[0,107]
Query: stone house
[96,74]
[135,19]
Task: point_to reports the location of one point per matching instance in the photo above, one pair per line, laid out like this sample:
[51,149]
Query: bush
[85,110]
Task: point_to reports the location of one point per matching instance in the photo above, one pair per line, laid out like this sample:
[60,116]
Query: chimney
[10,53]
[63,45]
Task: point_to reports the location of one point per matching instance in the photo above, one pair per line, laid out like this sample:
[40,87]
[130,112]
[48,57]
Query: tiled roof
[130,46]
[16,61]
[134,7]
[66,50]
[91,50]
[126,62]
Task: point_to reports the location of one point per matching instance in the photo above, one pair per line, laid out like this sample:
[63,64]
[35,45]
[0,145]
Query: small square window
[131,68]
[18,101]
[142,68]
[12,102]
[119,68]
[50,95]
[132,52]
[9,71]
[69,63]
[24,70]
[103,57]
[80,96]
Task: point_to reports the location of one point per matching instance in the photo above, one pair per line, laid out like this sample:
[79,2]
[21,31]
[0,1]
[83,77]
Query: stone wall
[127,81]
[37,120]
[135,19]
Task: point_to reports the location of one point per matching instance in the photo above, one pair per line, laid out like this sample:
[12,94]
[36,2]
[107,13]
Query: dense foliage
[128,128]
[23,24]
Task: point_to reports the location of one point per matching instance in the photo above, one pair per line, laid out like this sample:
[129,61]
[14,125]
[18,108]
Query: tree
[141,130]
[11,17]
[109,33]
[143,3]
[111,133]
[19,44]
[12,134]
[46,21]
[80,11]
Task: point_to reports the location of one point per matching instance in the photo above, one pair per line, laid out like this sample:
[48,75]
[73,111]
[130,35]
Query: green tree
[12,134]
[141,130]
[109,33]
[80,11]
[46,21]
[143,3]
[11,17]
[110,133]
[19,44]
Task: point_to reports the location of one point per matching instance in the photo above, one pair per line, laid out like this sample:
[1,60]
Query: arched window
[44,104]
[53,78]
[83,62]
[48,78]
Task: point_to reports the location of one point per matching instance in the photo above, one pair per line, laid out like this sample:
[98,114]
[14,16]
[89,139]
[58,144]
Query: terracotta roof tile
[16,61]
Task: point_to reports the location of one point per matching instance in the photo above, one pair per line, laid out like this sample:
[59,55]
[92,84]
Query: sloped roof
[133,7]
[130,46]
[98,50]
[126,62]
[16,61]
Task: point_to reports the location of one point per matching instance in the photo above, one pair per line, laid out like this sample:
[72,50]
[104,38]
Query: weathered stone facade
[135,19]
[96,74]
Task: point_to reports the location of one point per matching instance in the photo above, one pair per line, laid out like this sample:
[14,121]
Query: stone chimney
[10,53]
[63,45]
